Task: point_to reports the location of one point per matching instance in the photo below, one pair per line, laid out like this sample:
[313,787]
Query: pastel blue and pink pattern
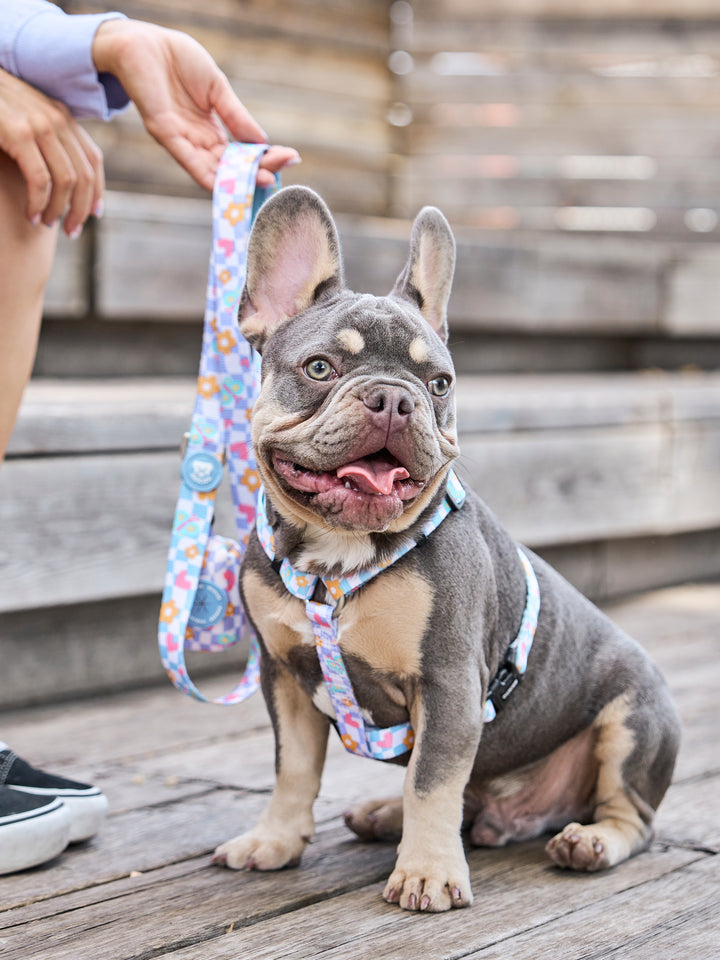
[201,607]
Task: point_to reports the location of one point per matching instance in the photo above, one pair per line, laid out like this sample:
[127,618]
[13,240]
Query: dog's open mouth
[377,475]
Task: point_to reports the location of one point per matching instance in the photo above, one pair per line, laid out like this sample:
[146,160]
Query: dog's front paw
[579,848]
[431,887]
[376,819]
[260,850]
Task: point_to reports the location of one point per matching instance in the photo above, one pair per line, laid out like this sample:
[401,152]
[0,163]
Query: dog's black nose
[392,401]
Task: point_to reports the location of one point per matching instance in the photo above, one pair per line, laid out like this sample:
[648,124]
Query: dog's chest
[380,633]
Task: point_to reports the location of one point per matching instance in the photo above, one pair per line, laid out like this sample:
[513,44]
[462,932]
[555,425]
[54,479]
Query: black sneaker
[87,805]
[33,829]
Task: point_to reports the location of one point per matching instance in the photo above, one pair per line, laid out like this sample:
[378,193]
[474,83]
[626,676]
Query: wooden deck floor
[182,777]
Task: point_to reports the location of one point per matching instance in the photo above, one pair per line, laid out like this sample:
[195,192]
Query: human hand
[61,164]
[182,97]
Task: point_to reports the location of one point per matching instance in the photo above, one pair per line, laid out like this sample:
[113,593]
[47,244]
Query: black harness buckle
[504,683]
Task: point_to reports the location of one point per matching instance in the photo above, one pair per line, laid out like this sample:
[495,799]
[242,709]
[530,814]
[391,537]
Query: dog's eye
[320,369]
[439,387]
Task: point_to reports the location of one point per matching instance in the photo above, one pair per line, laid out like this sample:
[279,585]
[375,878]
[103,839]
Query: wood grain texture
[144,886]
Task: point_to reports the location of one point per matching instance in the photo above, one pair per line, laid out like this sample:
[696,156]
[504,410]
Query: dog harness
[357,735]
[201,608]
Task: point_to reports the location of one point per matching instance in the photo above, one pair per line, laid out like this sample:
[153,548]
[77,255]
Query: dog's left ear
[427,276]
[293,258]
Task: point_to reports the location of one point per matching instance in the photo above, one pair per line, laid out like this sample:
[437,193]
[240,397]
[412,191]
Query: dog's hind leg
[379,819]
[635,757]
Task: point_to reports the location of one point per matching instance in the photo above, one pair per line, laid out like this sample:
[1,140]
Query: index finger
[237,118]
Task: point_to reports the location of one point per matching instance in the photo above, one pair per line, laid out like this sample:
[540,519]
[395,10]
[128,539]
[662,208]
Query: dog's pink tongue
[373,476]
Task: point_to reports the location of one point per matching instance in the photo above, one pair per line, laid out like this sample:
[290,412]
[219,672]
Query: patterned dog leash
[201,607]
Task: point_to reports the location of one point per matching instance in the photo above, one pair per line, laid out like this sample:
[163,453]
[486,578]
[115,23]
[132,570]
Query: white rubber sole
[29,839]
[87,809]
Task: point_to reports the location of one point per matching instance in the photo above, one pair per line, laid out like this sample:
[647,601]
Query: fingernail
[293,161]
[35,219]
[75,232]
[99,209]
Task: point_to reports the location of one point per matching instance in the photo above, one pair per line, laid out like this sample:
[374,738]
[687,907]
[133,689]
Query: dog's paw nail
[412,902]
[598,847]
[456,895]
[425,902]
[392,895]
[250,865]
[219,858]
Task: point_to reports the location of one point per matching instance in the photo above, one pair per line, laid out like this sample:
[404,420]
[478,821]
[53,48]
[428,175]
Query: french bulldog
[354,433]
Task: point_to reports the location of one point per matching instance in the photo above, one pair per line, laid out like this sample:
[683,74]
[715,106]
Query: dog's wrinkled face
[355,424]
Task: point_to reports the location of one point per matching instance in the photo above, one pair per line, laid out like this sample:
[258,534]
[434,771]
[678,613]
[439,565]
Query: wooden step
[147,259]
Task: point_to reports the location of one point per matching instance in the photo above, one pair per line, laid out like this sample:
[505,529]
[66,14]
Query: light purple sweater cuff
[53,52]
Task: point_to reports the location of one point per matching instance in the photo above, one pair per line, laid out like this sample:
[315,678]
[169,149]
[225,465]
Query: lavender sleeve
[53,51]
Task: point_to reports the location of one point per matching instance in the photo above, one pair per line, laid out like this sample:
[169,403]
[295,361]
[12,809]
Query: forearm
[53,51]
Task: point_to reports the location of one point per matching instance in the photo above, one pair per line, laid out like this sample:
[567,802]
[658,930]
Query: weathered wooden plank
[606,569]
[502,881]
[592,484]
[67,292]
[668,619]
[645,922]
[568,139]
[454,192]
[78,741]
[95,648]
[562,15]
[131,500]
[563,283]
[314,21]
[193,903]
[73,416]
[152,254]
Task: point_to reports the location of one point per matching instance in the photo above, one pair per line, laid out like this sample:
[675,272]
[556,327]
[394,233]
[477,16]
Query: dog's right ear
[293,258]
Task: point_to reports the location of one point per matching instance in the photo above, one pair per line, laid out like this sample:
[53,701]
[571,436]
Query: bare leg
[26,256]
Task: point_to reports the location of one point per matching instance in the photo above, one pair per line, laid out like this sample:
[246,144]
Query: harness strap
[357,735]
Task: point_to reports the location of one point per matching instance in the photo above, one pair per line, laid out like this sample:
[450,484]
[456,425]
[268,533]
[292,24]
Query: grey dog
[355,433]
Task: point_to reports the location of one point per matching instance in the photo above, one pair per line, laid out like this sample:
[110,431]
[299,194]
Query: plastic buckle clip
[504,683]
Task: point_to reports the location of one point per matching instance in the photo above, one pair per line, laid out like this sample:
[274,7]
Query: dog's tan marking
[351,339]
[419,350]
[371,626]
[280,619]
[286,826]
[619,830]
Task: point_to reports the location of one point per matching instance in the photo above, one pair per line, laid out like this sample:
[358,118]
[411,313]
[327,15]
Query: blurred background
[574,146]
